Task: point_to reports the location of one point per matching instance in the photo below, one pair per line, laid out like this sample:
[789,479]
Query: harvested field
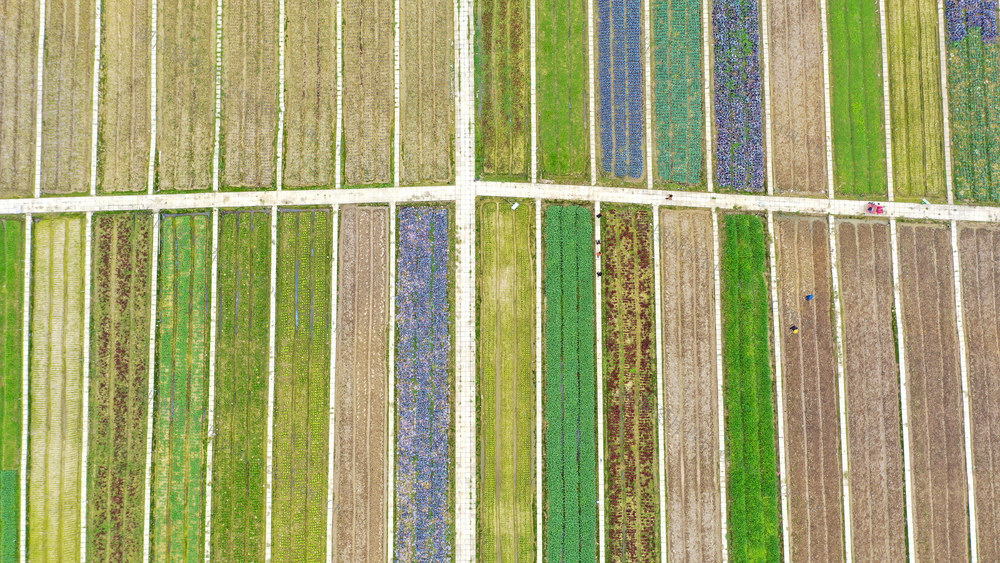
[359,447]
[812,423]
[18,79]
[690,386]
[116,460]
[123,128]
[67,101]
[798,122]
[426,91]
[180,414]
[937,443]
[55,416]
[310,93]
[503,99]
[301,385]
[369,99]
[631,490]
[875,441]
[241,381]
[185,103]
[620,99]
[980,259]
[11,363]
[249,93]
[505,386]
[915,99]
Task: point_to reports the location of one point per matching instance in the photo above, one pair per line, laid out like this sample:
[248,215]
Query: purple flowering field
[963,15]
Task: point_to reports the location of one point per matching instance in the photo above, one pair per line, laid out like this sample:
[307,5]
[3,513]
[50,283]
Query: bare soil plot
[310,93]
[937,444]
[690,382]
[798,127]
[875,442]
[369,98]
[359,530]
[67,101]
[55,416]
[979,248]
[812,423]
[249,93]
[18,78]
[185,86]
[123,152]
[426,91]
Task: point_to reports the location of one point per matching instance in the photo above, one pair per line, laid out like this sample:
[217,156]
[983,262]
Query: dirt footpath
[937,446]
[979,248]
[362,376]
[798,128]
[18,78]
[812,418]
[690,386]
[874,439]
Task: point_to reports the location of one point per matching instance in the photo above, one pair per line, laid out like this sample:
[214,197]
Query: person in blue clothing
[810,297]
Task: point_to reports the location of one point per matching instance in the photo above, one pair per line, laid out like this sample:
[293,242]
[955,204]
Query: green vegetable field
[856,101]
[11,311]
[570,397]
[301,385]
[505,280]
[974,97]
[180,413]
[240,447]
[750,447]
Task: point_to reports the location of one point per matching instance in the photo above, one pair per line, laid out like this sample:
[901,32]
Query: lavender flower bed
[619,72]
[963,15]
[739,142]
[423,391]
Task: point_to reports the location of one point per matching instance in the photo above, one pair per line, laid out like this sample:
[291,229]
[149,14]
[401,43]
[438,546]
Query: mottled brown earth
[18,78]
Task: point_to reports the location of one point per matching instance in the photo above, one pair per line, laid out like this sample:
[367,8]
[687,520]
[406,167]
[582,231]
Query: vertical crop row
[620,87]
[11,309]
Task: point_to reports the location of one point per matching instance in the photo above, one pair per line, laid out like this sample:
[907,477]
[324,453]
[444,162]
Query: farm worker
[810,297]
[795,329]
[598,253]
[598,273]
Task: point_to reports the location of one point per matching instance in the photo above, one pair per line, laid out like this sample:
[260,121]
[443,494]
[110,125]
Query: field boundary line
[465,377]
[779,399]
[707,32]
[534,93]
[151,385]
[964,365]
[334,223]
[660,409]
[647,85]
[269,491]
[25,371]
[39,83]
[396,127]
[717,271]
[391,391]
[151,173]
[765,54]
[945,114]
[539,547]
[212,332]
[465,78]
[591,115]
[599,362]
[95,97]
[338,129]
[87,279]
[217,143]
[279,150]
[824,28]
[886,114]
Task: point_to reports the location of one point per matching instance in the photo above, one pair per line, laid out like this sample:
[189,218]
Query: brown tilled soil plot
[249,92]
[690,386]
[979,249]
[18,49]
[368,91]
[185,86]
[875,450]
[123,157]
[362,375]
[67,102]
[310,93]
[798,130]
[937,443]
[426,95]
[812,418]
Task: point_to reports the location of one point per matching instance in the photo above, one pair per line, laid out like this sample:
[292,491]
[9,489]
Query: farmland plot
[570,385]
[689,386]
[505,283]
[310,93]
[185,103]
[361,386]
[631,489]
[249,93]
[678,103]
[426,91]
[241,380]
[424,443]
[812,424]
[937,443]
[368,92]
[180,414]
[301,385]
[124,120]
[55,395]
[12,295]
[18,78]
[116,464]
[67,100]
[875,442]
[856,101]
[915,99]
[619,96]
[503,139]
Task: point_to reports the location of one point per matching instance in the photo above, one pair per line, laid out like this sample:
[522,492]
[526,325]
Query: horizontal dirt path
[18,80]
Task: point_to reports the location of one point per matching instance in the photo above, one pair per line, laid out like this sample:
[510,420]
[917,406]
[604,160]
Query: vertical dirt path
[18,80]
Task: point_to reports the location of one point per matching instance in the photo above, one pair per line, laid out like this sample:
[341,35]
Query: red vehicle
[875,208]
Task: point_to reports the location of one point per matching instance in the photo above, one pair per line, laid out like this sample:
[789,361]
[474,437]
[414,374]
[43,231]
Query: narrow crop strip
[620,91]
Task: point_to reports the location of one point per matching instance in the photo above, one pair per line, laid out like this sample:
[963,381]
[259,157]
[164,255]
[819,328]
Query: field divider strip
[25,373]
[40,82]
[212,334]
[779,399]
[883,26]
[717,274]
[828,120]
[269,491]
[539,498]
[766,65]
[647,84]
[217,143]
[151,385]
[279,169]
[706,62]
[465,126]
[660,409]
[465,380]
[945,113]
[391,392]
[87,277]
[151,173]
[338,129]
[334,222]
[964,365]
[591,115]
[600,392]
[396,126]
[534,93]
[95,97]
